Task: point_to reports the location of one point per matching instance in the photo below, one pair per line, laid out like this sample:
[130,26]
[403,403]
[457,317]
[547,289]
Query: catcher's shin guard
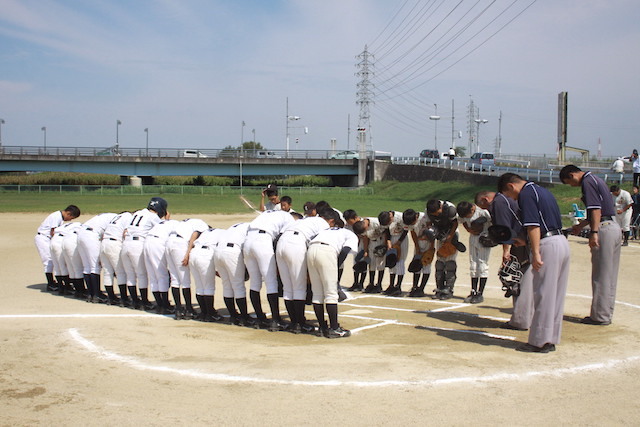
[440,275]
[450,268]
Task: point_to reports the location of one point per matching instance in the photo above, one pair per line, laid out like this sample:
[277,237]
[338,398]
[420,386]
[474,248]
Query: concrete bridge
[146,163]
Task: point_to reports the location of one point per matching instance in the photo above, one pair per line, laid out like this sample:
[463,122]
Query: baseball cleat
[469,299]
[528,348]
[179,314]
[339,332]
[477,299]
[296,329]
[355,287]
[395,292]
[507,325]
[388,290]
[216,317]
[589,321]
[370,289]
[307,329]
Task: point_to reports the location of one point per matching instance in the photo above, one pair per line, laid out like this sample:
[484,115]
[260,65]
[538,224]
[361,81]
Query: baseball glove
[486,241]
[447,249]
[427,256]
[477,224]
[380,251]
[397,246]
[415,265]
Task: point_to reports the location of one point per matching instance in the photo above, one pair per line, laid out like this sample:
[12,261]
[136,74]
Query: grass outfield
[389,195]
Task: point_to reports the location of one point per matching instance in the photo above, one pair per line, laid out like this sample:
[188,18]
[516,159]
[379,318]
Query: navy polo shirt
[539,208]
[596,195]
[505,211]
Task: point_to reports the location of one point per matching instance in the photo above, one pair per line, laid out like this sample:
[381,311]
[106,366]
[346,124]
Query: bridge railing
[191,153]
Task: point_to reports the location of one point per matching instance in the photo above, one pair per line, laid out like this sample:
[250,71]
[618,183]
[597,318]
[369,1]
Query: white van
[265,154]
[193,153]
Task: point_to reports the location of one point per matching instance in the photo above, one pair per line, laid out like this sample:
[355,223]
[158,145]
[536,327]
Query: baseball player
[476,221]
[309,209]
[179,245]
[155,262]
[374,244]
[605,239]
[89,238]
[549,259]
[635,196]
[350,218]
[624,204]
[60,267]
[397,239]
[291,251]
[443,229]
[424,250]
[133,250]
[43,239]
[326,252]
[260,260]
[273,201]
[203,269]
[110,250]
[229,262]
[506,212]
[73,260]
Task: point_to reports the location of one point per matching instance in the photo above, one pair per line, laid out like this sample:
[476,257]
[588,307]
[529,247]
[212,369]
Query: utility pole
[364,97]
[453,126]
[471,126]
[499,140]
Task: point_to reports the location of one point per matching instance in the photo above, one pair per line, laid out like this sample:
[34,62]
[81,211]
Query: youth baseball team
[300,258]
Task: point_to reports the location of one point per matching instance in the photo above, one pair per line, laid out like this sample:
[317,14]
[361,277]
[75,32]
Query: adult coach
[605,239]
[635,164]
[549,259]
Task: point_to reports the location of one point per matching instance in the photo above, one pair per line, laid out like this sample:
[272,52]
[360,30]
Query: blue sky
[193,71]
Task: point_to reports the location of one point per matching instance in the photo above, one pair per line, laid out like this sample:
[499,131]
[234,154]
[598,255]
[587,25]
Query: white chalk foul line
[137,364]
[75,315]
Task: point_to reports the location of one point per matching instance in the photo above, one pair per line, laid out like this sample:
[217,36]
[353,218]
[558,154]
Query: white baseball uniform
[89,237]
[133,246]
[179,245]
[155,255]
[111,247]
[478,254]
[201,261]
[43,238]
[229,260]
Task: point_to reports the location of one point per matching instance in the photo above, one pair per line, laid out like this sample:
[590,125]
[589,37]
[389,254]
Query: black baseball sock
[201,303]
[274,305]
[372,277]
[340,271]
[289,305]
[416,279]
[208,306]
[110,293]
[363,276]
[231,308]
[89,284]
[298,307]
[144,296]
[474,285]
[164,297]
[356,278]
[257,304]
[133,292]
[95,279]
[380,277]
[319,310]
[176,298]
[158,298]
[392,279]
[50,281]
[332,312]
[425,278]
[483,283]
[123,292]
[186,293]
[400,279]
[242,306]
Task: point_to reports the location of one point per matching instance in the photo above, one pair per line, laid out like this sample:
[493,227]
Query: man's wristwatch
[593,232]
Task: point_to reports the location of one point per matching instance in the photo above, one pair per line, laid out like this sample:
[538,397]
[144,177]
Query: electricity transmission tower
[364,98]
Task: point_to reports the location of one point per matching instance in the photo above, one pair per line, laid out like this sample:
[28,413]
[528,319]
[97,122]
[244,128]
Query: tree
[252,145]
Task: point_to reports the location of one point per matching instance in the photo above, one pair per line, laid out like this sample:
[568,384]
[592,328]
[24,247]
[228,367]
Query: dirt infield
[420,361]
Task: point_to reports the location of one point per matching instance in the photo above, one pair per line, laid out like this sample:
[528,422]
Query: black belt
[152,235]
[295,233]
[42,234]
[177,235]
[111,238]
[135,238]
[606,218]
[230,245]
[204,247]
[322,243]
[88,228]
[551,233]
[262,231]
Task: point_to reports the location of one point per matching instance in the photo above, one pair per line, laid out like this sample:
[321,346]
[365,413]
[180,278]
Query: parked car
[484,161]
[193,153]
[266,154]
[430,154]
[345,155]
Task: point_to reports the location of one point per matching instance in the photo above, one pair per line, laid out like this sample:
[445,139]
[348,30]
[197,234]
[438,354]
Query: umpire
[549,259]
[605,239]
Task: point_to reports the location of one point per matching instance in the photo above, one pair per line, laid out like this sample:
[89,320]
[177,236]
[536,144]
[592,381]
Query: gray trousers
[605,261]
[523,303]
[549,290]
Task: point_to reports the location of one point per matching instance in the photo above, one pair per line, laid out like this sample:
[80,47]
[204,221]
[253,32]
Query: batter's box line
[386,322]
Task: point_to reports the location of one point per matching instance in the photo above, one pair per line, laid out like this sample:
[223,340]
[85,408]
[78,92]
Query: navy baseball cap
[159,205]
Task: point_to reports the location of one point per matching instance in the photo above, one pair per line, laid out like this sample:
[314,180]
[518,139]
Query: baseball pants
[43,245]
[57,256]
[400,268]
[203,269]
[112,262]
[155,262]
[72,256]
[549,291]
[292,264]
[133,262]
[260,260]
[478,257]
[229,263]
[605,262]
[322,263]
[89,248]
[176,251]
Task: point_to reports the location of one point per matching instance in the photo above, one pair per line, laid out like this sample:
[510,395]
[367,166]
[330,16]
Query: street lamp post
[118,123]
[478,123]
[1,123]
[435,117]
[241,152]
[44,129]
[146,130]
